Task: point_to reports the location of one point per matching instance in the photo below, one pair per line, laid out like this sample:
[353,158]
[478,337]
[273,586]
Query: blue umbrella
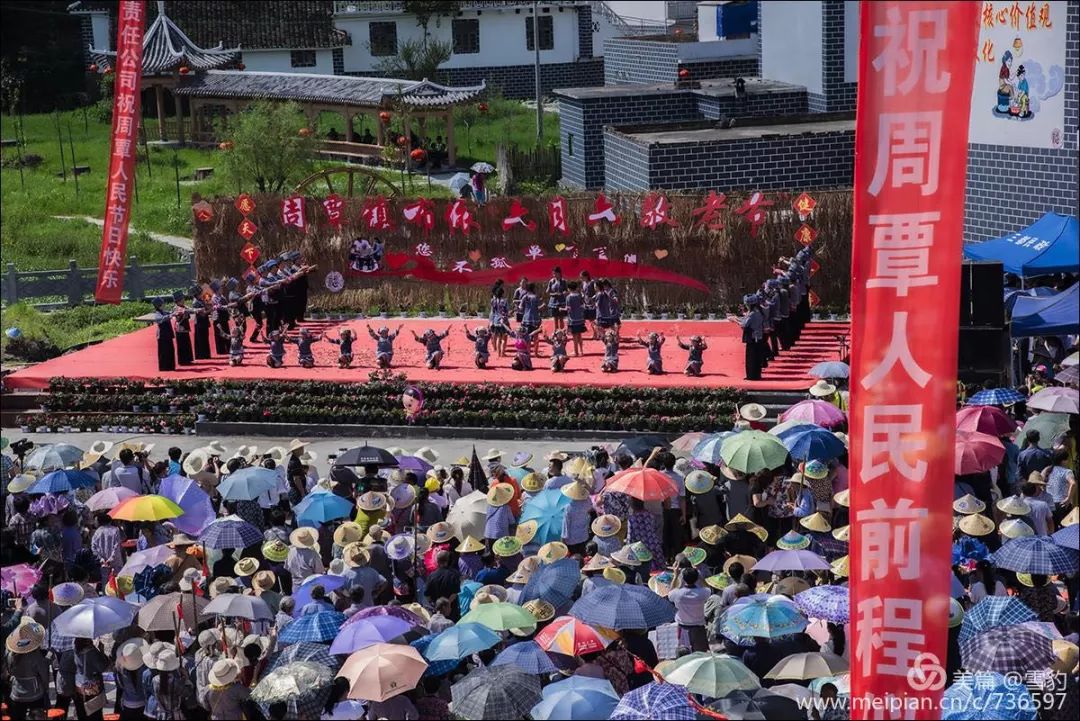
[812,443]
[831,603]
[527,656]
[994,611]
[554,583]
[95,617]
[576,698]
[517,473]
[830,369]
[986,695]
[623,606]
[62,481]
[230,532]
[547,508]
[317,508]
[996,397]
[707,450]
[302,595]
[657,701]
[184,492]
[465,595]
[457,642]
[315,627]
[435,668]
[1068,537]
[247,484]
[1036,555]
[305,651]
[763,618]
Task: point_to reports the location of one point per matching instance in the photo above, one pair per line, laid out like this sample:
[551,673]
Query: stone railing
[48,289]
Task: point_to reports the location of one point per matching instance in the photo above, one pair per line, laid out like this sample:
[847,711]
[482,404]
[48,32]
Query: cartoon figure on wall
[1021,87]
[365,256]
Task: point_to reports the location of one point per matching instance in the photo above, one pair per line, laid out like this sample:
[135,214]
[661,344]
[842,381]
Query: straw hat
[1072,518]
[793,541]
[470,545]
[21,483]
[275,551]
[403,495]
[576,491]
[136,447]
[304,537]
[196,461]
[712,534]
[598,563]
[1068,653]
[215,448]
[720,581]
[27,637]
[540,609]
[427,453]
[698,482]
[130,654]
[822,389]
[976,525]
[308,457]
[815,470]
[355,555]
[376,534]
[526,531]
[968,504]
[246,452]
[615,575]
[1014,506]
[506,546]
[696,556]
[641,551]
[789,586]
[843,533]
[418,610]
[493,593]
[493,454]
[747,562]
[94,454]
[532,483]
[348,532]
[625,557]
[1037,478]
[67,594]
[462,462]
[192,577]
[500,494]
[440,532]
[843,438]
[753,412]
[222,584]
[1015,528]
[276,454]
[956,613]
[521,459]
[660,584]
[556,456]
[180,540]
[797,479]
[841,567]
[843,498]
[371,501]
[246,566]
[295,445]
[552,552]
[519,576]
[224,672]
[607,525]
[815,522]
[161,656]
[264,580]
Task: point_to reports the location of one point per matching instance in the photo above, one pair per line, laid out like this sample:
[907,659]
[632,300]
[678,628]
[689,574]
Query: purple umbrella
[792,561]
[302,595]
[394,611]
[820,413]
[153,556]
[367,632]
[414,464]
[198,511]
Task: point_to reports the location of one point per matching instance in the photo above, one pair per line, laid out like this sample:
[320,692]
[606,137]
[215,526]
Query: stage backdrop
[675,251]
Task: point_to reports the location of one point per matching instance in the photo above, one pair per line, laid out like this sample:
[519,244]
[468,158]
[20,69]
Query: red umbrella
[977,452]
[985,419]
[647,484]
[570,637]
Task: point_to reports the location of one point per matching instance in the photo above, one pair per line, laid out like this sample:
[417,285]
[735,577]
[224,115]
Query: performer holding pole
[202,327]
[183,330]
[753,326]
[220,318]
[166,352]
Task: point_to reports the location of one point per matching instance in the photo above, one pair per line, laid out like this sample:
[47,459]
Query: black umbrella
[763,704]
[366,455]
[641,446]
[477,477]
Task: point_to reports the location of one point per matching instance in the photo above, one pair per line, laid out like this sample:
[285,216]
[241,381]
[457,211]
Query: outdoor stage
[134,356]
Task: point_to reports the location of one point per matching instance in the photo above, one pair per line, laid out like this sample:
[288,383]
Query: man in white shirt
[555,478]
[689,603]
[130,474]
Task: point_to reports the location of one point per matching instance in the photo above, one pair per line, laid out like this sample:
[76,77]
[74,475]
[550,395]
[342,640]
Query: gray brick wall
[838,95]
[714,107]
[1008,187]
[749,67]
[86,34]
[339,61]
[628,61]
[518,81]
[584,31]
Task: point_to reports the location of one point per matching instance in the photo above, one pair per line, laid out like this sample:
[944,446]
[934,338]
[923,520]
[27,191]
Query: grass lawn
[67,328]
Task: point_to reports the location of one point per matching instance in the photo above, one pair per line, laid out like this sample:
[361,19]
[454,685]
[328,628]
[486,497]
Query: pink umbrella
[977,452]
[109,498]
[985,419]
[820,413]
[687,441]
[20,577]
[1056,399]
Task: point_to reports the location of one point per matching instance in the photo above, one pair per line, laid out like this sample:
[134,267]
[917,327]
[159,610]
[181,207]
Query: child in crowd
[344,341]
[611,352]
[575,316]
[481,338]
[523,340]
[696,347]
[236,346]
[303,343]
[275,358]
[558,350]
[432,342]
[384,345]
[654,343]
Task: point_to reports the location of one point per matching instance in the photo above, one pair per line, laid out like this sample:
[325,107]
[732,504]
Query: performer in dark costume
[238,310]
[166,352]
[753,326]
[287,298]
[202,328]
[220,318]
[271,298]
[183,330]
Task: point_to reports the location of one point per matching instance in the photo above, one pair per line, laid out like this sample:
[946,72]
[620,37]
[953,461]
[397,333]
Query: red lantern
[482,107]
[93,67]
[305,132]
[418,155]
[402,141]
[684,74]
[241,66]
[184,70]
[384,117]
[226,145]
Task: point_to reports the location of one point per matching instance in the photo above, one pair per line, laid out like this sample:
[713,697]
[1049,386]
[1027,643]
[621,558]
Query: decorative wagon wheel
[358,181]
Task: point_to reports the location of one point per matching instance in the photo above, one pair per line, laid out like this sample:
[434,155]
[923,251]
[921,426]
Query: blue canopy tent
[1049,245]
[1051,315]
[1011,294]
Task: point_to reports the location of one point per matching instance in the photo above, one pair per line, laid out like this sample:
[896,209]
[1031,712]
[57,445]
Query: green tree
[270,148]
[416,60]
[424,10]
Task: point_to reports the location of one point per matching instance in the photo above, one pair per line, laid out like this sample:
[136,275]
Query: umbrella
[316,627]
[247,484]
[554,583]
[160,612]
[831,603]
[52,456]
[547,508]
[302,594]
[435,668]
[238,605]
[766,618]
[382,671]
[572,637]
[21,578]
[641,446]
[457,182]
[792,561]
[304,651]
[1049,425]
[1069,376]
[842,682]
[146,508]
[151,557]
[711,674]
[186,493]
[1056,400]
[415,464]
[303,685]
[61,481]
[500,616]
[459,641]
[527,656]
[806,666]
[577,698]
[95,617]
[366,455]
[623,606]
[468,515]
[1005,649]
[1067,537]
[1036,555]
[992,612]
[646,484]
[318,508]
[1071,360]
[812,443]
[109,498]
[996,397]
[477,476]
[785,426]
[753,451]
[791,691]
[986,695]
[230,532]
[818,412]
[985,419]
[707,450]
[977,452]
[395,611]
[368,632]
[655,701]
[1044,628]
[500,692]
[686,442]
[830,369]
[482,167]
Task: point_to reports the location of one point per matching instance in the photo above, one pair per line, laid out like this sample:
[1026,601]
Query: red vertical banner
[916,64]
[125,129]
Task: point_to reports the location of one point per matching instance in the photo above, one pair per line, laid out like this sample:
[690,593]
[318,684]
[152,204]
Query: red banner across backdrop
[916,64]
[125,129]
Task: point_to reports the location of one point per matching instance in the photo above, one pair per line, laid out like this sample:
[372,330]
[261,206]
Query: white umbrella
[468,515]
[237,605]
[1056,400]
[1071,360]
[807,666]
[457,182]
[109,498]
[154,556]
[95,617]
[53,456]
[482,168]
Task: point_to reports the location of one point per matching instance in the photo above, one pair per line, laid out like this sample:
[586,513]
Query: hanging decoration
[250,253]
[203,211]
[292,212]
[247,229]
[333,205]
[804,205]
[245,204]
[805,234]
[517,217]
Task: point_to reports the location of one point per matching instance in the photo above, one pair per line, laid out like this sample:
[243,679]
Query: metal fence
[48,289]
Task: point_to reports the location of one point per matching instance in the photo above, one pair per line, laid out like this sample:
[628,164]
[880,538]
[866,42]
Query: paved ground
[176,241]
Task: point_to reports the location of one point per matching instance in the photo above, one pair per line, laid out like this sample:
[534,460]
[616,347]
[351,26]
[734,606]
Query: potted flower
[442,312]
[649,314]
[383,313]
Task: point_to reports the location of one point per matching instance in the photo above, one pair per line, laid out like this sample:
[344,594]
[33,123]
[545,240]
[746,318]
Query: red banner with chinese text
[915,78]
[125,129]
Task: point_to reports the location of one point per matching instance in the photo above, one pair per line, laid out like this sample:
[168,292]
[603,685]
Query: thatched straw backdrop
[728,260]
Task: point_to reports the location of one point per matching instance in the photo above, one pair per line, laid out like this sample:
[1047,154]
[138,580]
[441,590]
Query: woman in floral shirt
[641,526]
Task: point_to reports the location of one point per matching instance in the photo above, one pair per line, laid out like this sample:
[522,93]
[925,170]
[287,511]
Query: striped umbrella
[572,637]
[973,697]
[655,701]
[305,651]
[1007,649]
[315,627]
[1036,555]
[992,612]
[996,397]
[230,532]
[623,606]
[527,656]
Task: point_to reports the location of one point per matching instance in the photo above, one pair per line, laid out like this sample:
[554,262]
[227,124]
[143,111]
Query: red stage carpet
[134,356]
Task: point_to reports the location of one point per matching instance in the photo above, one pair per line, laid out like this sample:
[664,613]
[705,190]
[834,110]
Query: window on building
[466,33]
[570,144]
[302,58]
[382,38]
[547,33]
